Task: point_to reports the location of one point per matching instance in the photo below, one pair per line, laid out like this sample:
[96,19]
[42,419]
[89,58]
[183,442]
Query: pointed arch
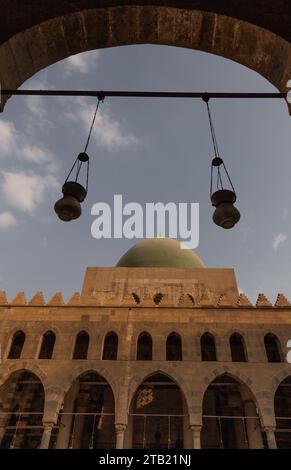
[110,347]
[81,345]
[158,414]
[87,417]
[238,348]
[17,344]
[208,347]
[144,350]
[174,347]
[230,416]
[47,345]
[282,403]
[22,400]
[273,348]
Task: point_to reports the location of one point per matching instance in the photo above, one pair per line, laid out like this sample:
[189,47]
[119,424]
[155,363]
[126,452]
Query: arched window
[174,347]
[81,346]
[237,347]
[208,349]
[16,345]
[144,347]
[47,345]
[273,348]
[110,347]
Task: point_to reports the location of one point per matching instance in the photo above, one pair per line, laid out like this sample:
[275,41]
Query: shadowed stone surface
[255,34]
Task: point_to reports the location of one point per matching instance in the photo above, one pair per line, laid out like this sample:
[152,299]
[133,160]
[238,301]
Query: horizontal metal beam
[143,94]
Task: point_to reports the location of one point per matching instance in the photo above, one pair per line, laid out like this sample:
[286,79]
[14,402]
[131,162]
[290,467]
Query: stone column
[47,431]
[64,433]
[128,433]
[196,433]
[120,430]
[270,432]
[253,426]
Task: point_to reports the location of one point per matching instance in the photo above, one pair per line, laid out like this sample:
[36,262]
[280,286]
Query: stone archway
[230,416]
[87,415]
[282,403]
[57,30]
[158,416]
[22,399]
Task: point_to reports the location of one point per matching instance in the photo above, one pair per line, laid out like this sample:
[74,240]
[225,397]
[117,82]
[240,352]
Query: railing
[156,431]
[283,432]
[224,432]
[19,430]
[24,430]
[84,431]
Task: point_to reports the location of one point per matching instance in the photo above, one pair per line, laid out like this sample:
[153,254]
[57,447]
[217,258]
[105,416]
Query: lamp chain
[214,141]
[92,125]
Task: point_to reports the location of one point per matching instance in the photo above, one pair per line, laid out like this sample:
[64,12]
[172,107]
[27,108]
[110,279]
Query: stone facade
[190,303]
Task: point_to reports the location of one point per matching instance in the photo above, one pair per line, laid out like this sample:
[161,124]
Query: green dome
[159,253]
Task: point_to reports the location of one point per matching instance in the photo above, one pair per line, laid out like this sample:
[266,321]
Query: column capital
[46,436]
[196,433]
[270,432]
[120,430]
[120,427]
[48,425]
[195,427]
[269,428]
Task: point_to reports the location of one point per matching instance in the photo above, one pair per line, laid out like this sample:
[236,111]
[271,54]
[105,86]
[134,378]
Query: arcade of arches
[158,416]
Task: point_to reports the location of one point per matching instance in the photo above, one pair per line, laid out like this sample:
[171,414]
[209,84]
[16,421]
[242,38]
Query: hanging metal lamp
[74,193]
[222,198]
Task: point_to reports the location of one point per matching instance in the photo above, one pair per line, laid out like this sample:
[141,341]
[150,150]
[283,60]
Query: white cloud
[279,240]
[37,105]
[81,63]
[7,220]
[15,144]
[26,191]
[7,131]
[35,154]
[108,132]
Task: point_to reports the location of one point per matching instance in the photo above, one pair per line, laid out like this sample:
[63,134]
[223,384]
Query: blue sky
[148,150]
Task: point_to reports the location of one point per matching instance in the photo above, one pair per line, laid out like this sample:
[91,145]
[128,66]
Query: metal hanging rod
[100,94]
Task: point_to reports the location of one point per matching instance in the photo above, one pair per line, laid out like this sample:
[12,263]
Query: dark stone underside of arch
[253,33]
[18,15]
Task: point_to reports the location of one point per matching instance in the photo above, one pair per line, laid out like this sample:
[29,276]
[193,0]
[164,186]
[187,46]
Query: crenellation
[37,299]
[243,301]
[75,299]
[56,300]
[263,302]
[19,299]
[3,298]
[281,301]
